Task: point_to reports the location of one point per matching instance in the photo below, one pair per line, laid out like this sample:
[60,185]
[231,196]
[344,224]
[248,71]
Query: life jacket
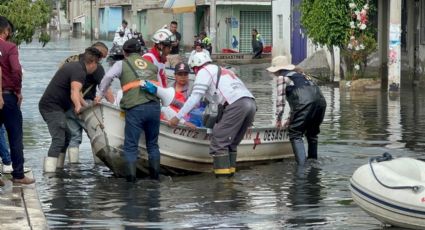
[161,77]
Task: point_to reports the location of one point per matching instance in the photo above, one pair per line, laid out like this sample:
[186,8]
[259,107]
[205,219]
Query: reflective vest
[143,70]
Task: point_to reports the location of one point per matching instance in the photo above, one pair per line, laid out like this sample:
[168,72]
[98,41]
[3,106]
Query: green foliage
[326,21]
[29,18]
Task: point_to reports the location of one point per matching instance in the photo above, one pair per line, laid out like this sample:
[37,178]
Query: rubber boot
[299,151]
[73,155]
[221,165]
[232,162]
[312,148]
[61,161]
[154,168]
[96,159]
[50,164]
[131,172]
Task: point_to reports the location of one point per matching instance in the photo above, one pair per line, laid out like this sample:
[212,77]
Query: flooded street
[275,196]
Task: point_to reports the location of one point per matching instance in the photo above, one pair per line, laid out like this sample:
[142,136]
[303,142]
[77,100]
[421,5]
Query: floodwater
[273,196]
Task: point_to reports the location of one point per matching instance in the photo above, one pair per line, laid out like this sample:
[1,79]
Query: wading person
[11,114]
[163,38]
[76,125]
[142,109]
[257,44]
[205,41]
[62,94]
[307,106]
[223,87]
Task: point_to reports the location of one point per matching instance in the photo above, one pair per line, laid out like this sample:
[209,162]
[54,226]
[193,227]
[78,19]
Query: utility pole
[91,20]
[213,25]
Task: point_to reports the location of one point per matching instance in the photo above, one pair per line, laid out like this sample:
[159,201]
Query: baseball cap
[181,67]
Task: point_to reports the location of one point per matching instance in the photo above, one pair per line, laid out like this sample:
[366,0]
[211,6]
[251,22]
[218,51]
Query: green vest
[143,70]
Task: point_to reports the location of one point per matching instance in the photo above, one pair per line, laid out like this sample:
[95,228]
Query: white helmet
[163,36]
[199,59]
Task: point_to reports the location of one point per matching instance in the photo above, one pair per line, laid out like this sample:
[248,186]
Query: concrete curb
[20,208]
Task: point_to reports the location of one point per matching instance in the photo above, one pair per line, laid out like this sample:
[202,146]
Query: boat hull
[182,150]
[397,207]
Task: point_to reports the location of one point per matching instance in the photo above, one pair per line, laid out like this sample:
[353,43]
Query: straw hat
[279,63]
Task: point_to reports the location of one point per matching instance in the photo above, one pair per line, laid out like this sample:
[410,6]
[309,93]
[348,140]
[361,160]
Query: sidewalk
[20,207]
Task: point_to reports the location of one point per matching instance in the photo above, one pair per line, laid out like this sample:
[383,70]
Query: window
[280,29]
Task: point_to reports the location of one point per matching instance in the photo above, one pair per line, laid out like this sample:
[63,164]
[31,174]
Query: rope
[387,157]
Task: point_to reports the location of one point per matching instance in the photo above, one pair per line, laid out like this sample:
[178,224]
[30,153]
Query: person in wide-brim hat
[307,106]
[280,63]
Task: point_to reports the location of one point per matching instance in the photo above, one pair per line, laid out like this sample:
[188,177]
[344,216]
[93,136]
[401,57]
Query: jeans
[56,122]
[144,117]
[11,117]
[4,148]
[75,127]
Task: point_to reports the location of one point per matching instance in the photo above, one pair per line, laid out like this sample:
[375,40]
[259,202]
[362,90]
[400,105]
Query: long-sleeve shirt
[282,82]
[114,72]
[230,88]
[11,67]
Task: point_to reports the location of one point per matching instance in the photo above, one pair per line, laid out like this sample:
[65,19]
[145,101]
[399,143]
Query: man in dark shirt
[62,94]
[76,125]
[10,114]
[174,57]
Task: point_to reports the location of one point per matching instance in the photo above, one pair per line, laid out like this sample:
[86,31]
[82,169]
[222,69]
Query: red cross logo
[257,140]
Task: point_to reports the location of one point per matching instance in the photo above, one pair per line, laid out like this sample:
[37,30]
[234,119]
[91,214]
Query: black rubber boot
[131,172]
[299,151]
[232,162]
[154,168]
[312,148]
[221,165]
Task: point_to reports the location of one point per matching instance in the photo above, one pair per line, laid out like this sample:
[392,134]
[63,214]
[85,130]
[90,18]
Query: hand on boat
[190,125]
[97,100]
[173,122]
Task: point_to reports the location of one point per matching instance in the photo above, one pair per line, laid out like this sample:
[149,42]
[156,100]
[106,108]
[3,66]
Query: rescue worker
[142,109]
[257,44]
[163,38]
[74,123]
[307,106]
[223,86]
[62,94]
[206,41]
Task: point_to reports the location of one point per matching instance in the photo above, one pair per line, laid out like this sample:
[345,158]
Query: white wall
[281,46]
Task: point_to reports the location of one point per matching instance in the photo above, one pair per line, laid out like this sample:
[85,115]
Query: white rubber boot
[61,161]
[73,154]
[50,164]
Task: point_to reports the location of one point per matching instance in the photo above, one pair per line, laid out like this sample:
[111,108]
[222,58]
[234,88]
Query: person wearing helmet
[221,86]
[142,109]
[163,38]
[198,47]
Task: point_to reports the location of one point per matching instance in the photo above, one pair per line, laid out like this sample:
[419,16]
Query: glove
[148,87]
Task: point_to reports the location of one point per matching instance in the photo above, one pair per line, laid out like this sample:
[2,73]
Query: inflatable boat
[391,190]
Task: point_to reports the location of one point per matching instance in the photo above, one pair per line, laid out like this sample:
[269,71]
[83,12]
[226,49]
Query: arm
[280,100]
[16,68]
[1,90]
[114,72]
[76,95]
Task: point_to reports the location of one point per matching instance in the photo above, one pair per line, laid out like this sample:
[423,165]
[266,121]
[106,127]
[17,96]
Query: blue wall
[110,19]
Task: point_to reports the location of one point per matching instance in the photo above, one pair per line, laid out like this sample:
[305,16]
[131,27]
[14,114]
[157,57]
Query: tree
[327,23]
[29,18]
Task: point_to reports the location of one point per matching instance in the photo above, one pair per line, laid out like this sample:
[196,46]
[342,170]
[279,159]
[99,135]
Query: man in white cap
[307,107]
